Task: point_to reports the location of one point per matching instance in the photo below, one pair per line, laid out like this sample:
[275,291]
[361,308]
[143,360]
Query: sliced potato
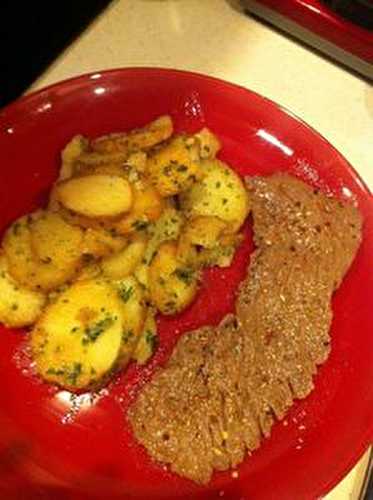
[123,263]
[220,193]
[166,228]
[144,138]
[173,169]
[209,144]
[199,233]
[100,242]
[23,264]
[133,314]
[94,159]
[73,149]
[77,341]
[172,285]
[55,241]
[148,340]
[96,195]
[219,255]
[19,306]
[147,207]
[141,273]
[90,271]
[115,169]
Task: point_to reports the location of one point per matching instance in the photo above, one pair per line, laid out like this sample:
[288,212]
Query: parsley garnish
[125,293]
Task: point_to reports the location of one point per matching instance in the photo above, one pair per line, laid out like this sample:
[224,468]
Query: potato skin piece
[172,285]
[76,343]
[96,195]
[19,306]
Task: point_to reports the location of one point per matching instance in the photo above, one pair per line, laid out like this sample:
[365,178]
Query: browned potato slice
[77,341]
[55,241]
[220,193]
[19,306]
[148,341]
[96,195]
[172,285]
[90,271]
[155,132]
[173,169]
[199,232]
[100,242]
[147,207]
[73,149]
[93,159]
[23,264]
[124,263]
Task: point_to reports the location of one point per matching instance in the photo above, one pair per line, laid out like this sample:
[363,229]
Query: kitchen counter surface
[215,37]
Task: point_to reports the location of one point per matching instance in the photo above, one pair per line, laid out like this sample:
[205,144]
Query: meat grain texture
[224,387]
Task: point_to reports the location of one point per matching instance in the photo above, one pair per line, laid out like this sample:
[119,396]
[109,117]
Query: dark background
[33,33]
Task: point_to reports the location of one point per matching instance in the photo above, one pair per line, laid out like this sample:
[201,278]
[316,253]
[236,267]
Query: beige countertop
[214,37]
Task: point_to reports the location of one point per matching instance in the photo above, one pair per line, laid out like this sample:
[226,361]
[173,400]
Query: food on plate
[115,236]
[27,268]
[172,285]
[223,387]
[19,306]
[145,138]
[124,262]
[219,194]
[95,195]
[77,341]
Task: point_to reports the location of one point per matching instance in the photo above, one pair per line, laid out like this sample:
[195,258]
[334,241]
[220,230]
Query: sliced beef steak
[224,386]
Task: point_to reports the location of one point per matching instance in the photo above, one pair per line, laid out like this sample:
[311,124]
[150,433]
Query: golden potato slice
[172,285]
[209,144]
[19,306]
[133,314]
[173,169]
[77,341]
[220,193]
[23,264]
[100,242]
[144,138]
[148,341]
[55,241]
[123,263]
[96,195]
[147,207]
[73,149]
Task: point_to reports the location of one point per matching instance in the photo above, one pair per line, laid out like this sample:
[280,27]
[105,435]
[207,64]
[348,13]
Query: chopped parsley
[126,335]
[185,274]
[151,339]
[73,373]
[125,293]
[92,333]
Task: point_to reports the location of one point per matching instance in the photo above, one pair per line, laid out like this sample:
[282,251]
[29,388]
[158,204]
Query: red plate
[54,446]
